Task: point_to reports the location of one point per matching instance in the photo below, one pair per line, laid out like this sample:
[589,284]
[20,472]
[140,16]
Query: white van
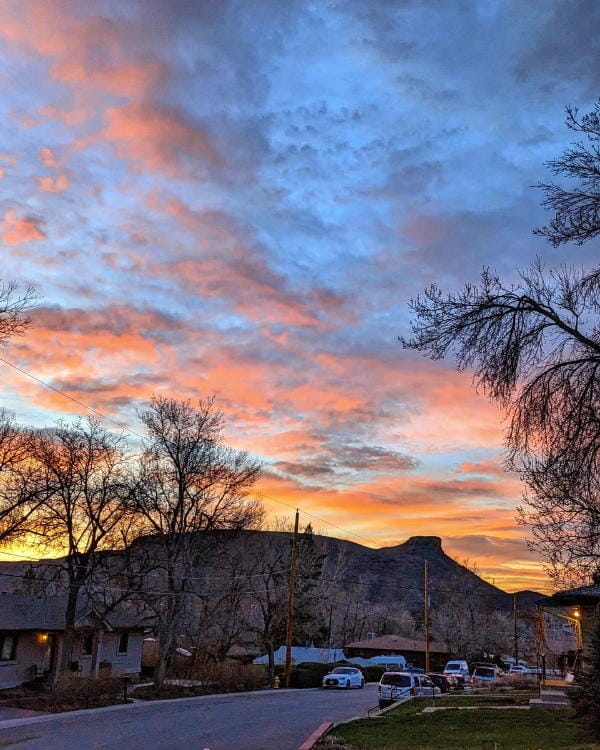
[457,669]
[391,662]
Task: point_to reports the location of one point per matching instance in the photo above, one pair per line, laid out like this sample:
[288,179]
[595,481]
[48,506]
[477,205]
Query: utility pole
[515,629]
[290,612]
[426,617]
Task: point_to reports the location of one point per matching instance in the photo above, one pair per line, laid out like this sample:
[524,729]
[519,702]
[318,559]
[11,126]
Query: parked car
[391,662]
[440,681]
[518,669]
[509,661]
[489,664]
[457,671]
[411,668]
[344,677]
[396,685]
[485,675]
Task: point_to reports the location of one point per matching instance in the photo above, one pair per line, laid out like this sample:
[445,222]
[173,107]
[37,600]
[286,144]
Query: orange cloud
[158,137]
[18,229]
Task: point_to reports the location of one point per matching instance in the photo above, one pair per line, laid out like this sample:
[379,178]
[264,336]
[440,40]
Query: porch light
[43,637]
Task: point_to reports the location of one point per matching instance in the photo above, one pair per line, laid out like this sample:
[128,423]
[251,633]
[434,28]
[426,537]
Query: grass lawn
[483,728]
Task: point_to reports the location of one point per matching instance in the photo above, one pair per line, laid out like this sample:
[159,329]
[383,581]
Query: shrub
[227,676]
[74,690]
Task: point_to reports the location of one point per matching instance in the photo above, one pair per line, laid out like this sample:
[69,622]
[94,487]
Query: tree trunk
[69,635]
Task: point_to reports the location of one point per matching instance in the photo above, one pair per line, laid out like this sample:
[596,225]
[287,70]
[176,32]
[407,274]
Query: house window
[8,647]
[123,642]
[87,644]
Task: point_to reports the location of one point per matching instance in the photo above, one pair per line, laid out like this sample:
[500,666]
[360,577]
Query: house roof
[397,644]
[28,612]
[22,612]
[581,595]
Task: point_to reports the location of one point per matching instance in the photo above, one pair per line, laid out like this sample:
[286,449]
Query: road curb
[316,735]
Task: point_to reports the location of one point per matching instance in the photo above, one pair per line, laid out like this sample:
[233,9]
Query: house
[412,649]
[31,639]
[580,607]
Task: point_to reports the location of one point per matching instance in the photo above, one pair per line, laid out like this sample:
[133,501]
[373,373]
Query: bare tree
[14,306]
[534,347]
[268,558]
[16,505]
[189,482]
[80,476]
[20,494]
[576,210]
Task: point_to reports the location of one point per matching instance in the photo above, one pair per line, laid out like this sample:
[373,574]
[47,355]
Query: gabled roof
[29,612]
[397,644]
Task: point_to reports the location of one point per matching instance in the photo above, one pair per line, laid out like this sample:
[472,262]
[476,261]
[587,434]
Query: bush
[83,692]
[226,677]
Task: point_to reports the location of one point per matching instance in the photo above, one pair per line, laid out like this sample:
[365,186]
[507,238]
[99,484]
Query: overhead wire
[131,431]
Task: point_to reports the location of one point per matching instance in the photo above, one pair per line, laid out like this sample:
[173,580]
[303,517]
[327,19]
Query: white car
[344,677]
[396,685]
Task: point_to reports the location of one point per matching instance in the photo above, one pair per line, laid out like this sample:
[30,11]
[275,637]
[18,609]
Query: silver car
[396,685]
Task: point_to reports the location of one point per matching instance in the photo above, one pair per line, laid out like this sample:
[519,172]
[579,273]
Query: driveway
[265,720]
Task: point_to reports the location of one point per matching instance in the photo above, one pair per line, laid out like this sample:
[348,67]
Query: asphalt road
[265,720]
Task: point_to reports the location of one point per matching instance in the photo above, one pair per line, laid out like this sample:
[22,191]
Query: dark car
[439,680]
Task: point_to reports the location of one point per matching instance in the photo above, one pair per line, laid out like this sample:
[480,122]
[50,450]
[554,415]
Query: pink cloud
[18,229]
[232,266]
[53,184]
[126,80]
[158,137]
[47,157]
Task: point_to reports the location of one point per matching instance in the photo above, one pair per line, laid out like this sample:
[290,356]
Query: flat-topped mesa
[424,542]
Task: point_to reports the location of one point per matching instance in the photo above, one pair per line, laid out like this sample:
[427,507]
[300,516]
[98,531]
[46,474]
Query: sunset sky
[239,199]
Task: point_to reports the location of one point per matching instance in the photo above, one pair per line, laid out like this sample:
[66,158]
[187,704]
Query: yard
[478,726]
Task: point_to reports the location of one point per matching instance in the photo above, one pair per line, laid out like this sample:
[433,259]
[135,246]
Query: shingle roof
[22,612]
[397,644]
[28,612]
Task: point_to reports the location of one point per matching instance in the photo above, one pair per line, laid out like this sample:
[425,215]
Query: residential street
[267,720]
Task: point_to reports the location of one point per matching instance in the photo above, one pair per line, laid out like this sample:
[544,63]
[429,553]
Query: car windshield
[343,670]
[453,665]
[484,672]
[399,680]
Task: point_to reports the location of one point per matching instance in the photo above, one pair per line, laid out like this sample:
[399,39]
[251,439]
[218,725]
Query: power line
[70,398]
[129,430]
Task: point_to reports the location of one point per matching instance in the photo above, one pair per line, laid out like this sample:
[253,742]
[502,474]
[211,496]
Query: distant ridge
[387,574]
